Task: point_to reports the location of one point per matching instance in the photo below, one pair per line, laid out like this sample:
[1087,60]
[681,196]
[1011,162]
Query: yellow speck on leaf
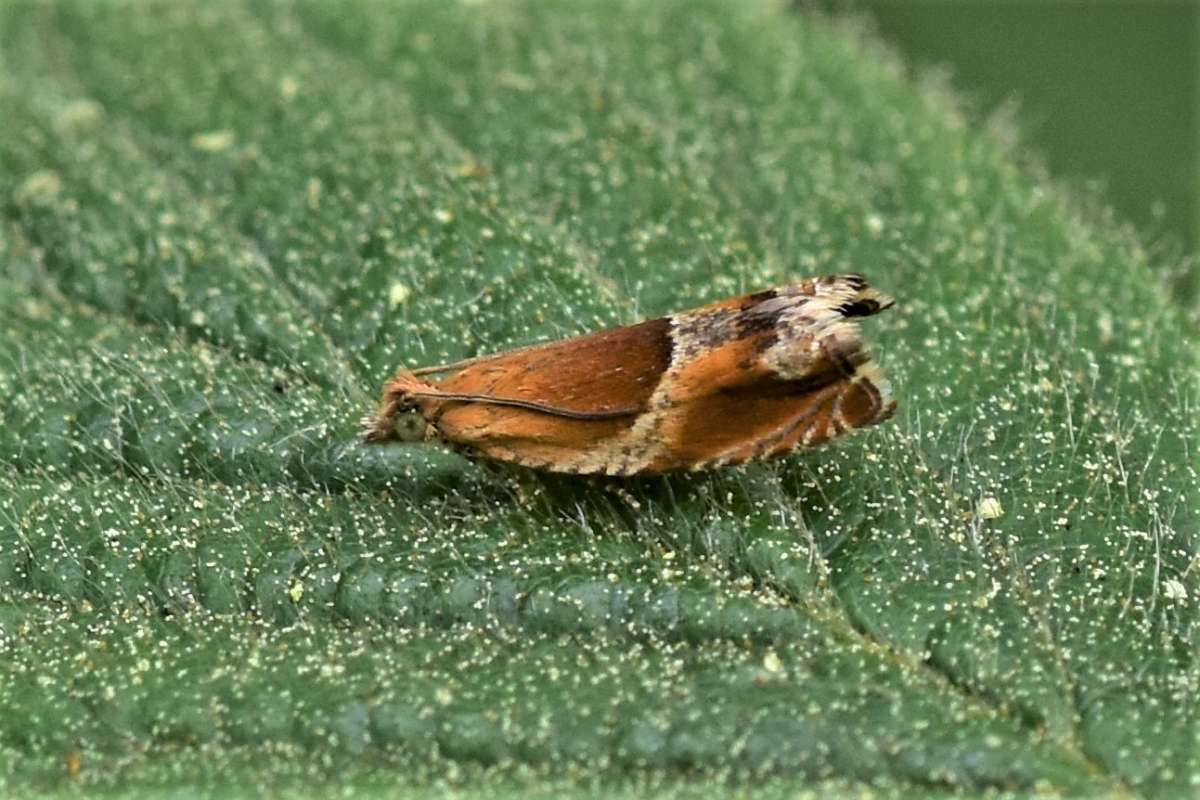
[40,187]
[989,508]
[79,116]
[213,141]
[312,193]
[874,224]
[471,169]
[398,292]
[289,87]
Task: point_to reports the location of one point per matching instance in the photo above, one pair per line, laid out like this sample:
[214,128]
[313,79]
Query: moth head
[397,420]
[408,425]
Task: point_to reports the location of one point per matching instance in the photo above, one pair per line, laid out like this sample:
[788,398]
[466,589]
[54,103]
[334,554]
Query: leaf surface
[225,226]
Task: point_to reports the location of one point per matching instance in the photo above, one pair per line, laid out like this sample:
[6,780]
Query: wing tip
[862,300]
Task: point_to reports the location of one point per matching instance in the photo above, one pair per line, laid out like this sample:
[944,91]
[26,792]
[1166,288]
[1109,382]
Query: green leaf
[223,226]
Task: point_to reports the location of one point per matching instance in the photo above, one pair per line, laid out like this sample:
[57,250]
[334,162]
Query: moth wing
[608,371]
[774,426]
[750,376]
[604,373]
[792,372]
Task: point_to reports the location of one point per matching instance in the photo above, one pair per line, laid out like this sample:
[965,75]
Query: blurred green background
[1106,91]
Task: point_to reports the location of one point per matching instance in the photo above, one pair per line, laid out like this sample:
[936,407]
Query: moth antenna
[531,405]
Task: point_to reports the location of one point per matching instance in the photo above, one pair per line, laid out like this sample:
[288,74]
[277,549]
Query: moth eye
[410,426]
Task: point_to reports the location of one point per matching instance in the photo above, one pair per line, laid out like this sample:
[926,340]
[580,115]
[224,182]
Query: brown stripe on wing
[732,424]
[777,433]
[868,399]
[814,418]
[856,402]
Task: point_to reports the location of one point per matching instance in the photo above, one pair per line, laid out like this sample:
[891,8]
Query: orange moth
[749,377]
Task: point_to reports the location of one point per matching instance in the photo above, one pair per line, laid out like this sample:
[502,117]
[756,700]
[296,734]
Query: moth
[749,377]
